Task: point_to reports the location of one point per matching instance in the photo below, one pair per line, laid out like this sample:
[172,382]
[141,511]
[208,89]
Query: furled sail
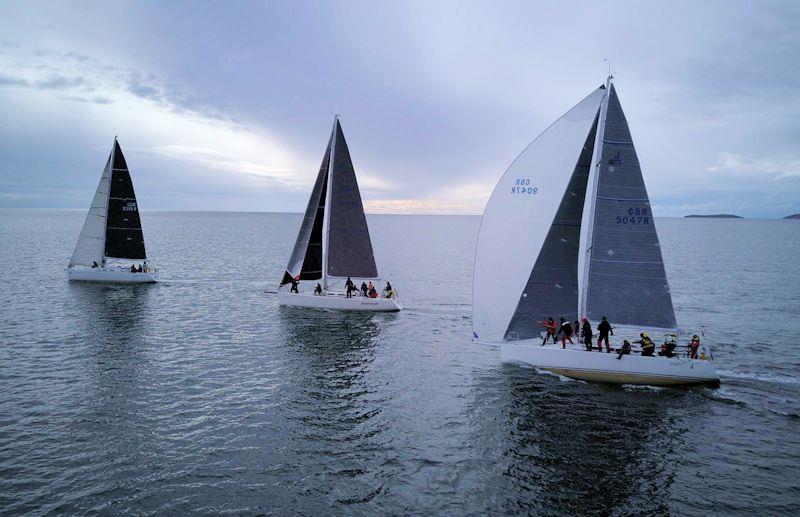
[91,242]
[531,215]
[626,280]
[124,237]
[306,260]
[348,244]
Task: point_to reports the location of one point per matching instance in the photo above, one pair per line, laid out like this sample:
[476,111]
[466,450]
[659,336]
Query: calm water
[201,394]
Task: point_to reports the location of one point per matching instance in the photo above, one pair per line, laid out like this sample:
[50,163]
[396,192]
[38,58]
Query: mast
[587,226]
[326,225]
[108,195]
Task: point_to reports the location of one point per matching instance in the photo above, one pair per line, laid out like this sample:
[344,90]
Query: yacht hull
[112,276]
[339,302]
[605,367]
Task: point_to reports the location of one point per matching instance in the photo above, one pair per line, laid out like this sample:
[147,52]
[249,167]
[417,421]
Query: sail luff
[326,221]
[589,205]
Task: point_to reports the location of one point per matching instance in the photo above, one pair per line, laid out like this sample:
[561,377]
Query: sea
[202,395]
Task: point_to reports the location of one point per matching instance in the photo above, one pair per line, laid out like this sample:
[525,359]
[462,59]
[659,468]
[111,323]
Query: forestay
[516,223]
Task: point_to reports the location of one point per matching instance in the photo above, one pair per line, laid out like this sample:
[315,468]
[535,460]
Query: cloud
[778,169]
[221,161]
[468,199]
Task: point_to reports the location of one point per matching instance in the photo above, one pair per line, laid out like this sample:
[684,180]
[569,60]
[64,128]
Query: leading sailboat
[568,232]
[333,244]
[110,247]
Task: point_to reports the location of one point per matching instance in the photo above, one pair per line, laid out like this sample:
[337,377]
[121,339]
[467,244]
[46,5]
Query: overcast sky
[229,105]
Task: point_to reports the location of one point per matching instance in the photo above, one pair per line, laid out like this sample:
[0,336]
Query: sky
[229,105]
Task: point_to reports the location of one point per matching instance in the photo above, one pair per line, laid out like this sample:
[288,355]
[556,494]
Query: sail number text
[635,216]
[523,186]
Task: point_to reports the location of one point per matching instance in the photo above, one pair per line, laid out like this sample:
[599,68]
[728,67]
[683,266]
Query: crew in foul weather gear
[566,332]
[694,346]
[550,325]
[648,346]
[603,329]
[587,334]
[624,350]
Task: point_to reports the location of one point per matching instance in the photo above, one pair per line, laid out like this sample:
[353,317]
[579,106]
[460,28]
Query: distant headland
[793,216]
[717,216]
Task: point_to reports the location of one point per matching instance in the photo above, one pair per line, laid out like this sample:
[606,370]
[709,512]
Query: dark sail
[627,282]
[349,245]
[552,288]
[306,260]
[124,237]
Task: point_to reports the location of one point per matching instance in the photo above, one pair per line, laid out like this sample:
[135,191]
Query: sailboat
[569,232]
[111,243]
[333,243]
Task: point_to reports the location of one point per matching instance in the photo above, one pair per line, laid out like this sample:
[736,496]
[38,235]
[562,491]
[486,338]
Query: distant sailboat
[111,242]
[333,243]
[568,231]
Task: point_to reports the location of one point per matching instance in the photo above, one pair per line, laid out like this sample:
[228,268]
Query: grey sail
[626,277]
[306,260]
[552,288]
[349,245]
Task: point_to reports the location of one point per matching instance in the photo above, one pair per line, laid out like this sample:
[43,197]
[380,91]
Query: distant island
[721,216]
[793,216]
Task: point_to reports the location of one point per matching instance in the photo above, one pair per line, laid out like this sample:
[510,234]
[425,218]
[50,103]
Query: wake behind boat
[110,247]
[568,231]
[333,244]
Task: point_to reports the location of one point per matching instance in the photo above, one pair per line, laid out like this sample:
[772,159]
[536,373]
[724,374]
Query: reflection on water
[569,446]
[336,408]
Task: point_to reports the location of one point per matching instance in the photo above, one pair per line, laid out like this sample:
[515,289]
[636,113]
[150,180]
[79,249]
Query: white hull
[339,302]
[113,275]
[605,367]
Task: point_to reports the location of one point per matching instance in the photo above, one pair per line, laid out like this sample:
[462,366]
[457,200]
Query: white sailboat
[111,243]
[333,243]
[568,231]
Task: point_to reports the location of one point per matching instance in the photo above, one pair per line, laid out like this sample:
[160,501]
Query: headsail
[349,247]
[626,280]
[124,237]
[91,242]
[306,260]
[514,231]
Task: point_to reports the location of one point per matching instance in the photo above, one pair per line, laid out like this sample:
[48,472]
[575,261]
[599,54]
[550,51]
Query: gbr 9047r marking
[635,216]
[523,186]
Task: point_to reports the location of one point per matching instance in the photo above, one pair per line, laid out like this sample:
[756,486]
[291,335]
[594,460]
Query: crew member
[566,332]
[603,329]
[349,286]
[294,289]
[587,334]
[694,346]
[648,346]
[550,326]
[624,350]
[318,290]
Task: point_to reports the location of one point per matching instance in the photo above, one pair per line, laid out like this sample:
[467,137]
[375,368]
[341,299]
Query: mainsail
[626,280]
[124,237]
[512,266]
[568,231]
[306,260]
[349,246]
